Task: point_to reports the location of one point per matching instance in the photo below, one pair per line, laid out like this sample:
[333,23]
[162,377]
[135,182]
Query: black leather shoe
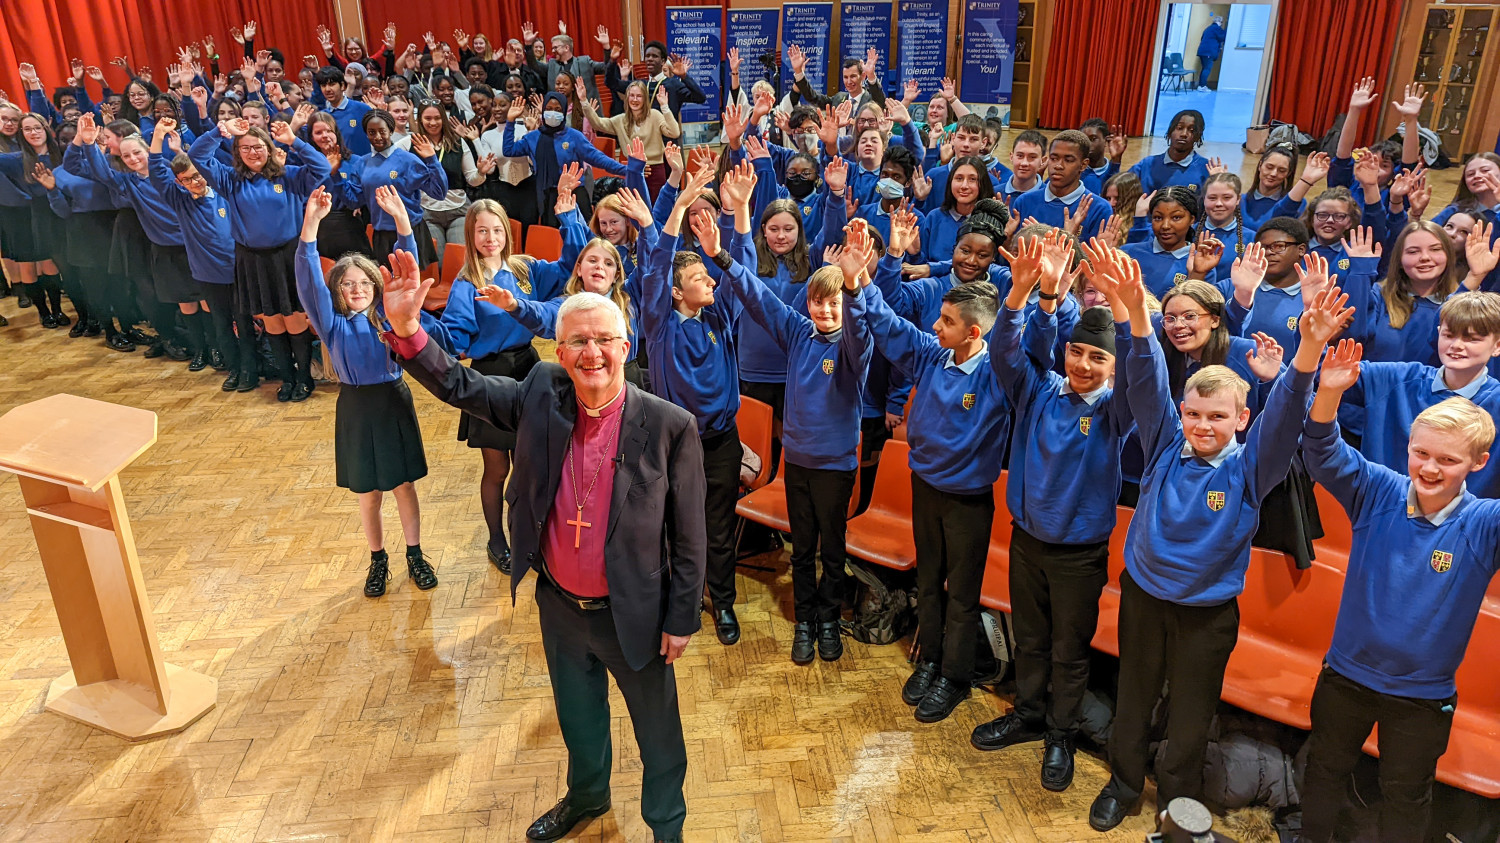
[118,342]
[176,352]
[420,571]
[830,645]
[93,329]
[62,320]
[561,819]
[49,321]
[1004,731]
[727,626]
[231,383]
[198,363]
[23,300]
[302,391]
[1057,763]
[216,360]
[78,328]
[284,392]
[378,576]
[248,381]
[941,699]
[154,350]
[917,684]
[500,559]
[802,643]
[139,337]
[1107,811]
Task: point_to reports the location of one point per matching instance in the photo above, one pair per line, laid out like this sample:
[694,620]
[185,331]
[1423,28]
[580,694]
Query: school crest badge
[352,124]
[1192,187]
[565,145]
[1084,424]
[277,188]
[223,213]
[807,211]
[1441,561]
[524,284]
[827,367]
[1343,263]
[394,174]
[1179,278]
[968,401]
[1291,323]
[713,339]
[1216,501]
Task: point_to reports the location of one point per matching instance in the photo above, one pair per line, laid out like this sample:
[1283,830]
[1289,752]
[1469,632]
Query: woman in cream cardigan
[640,120]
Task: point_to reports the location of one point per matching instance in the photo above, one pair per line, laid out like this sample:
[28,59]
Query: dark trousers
[952,535]
[238,350]
[817,505]
[722,454]
[1413,735]
[583,651]
[1187,646]
[1054,605]
[1206,69]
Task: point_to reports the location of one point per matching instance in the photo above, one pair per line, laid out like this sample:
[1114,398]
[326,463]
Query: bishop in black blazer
[654,552]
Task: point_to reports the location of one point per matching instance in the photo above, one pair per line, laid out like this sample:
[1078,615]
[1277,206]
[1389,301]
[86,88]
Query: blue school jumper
[879,219]
[263,212]
[480,329]
[1256,208]
[205,222]
[1095,177]
[1159,171]
[1047,207]
[569,144]
[1008,192]
[1235,236]
[1160,269]
[1415,582]
[157,218]
[408,173]
[350,115]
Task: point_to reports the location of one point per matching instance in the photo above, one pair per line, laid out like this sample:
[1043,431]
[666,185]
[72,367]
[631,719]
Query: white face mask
[552,118]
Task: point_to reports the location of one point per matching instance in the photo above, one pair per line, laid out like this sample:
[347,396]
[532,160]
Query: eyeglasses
[1329,216]
[1278,248]
[356,285]
[581,343]
[1189,319]
[192,178]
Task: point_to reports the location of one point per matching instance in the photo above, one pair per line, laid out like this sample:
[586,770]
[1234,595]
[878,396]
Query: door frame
[1267,58]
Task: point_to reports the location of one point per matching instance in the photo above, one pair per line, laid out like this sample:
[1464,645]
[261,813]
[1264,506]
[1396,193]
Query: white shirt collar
[1216,460]
[1184,163]
[1089,398]
[1010,186]
[1076,195]
[1468,391]
[1179,252]
[1436,519]
[683,317]
[1291,290]
[1228,226]
[968,366]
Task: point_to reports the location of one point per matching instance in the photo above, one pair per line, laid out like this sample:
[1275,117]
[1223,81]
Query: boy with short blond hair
[1424,552]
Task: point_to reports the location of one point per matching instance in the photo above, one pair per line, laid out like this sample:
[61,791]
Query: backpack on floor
[994,654]
[885,603]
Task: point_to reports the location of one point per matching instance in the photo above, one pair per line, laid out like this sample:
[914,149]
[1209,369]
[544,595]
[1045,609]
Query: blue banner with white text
[753,31]
[989,57]
[809,26]
[863,25]
[696,33]
[922,38]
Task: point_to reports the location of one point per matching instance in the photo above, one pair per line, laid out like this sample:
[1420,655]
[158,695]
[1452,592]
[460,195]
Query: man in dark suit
[620,553]
[660,72]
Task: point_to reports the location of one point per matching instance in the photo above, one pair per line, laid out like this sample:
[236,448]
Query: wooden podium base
[127,710]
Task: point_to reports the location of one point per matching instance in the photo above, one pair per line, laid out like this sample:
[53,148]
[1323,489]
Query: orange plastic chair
[453,262]
[882,533]
[767,505]
[900,430]
[754,422]
[544,243]
[327,265]
[1469,762]
[994,590]
[604,144]
[515,234]
[1338,533]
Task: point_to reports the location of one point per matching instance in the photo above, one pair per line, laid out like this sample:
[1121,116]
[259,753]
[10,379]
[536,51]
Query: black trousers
[238,350]
[817,505]
[1187,646]
[1054,605]
[1413,736]
[583,651]
[952,535]
[722,454]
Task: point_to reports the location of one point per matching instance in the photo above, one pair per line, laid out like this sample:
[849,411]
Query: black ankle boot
[418,568]
[378,575]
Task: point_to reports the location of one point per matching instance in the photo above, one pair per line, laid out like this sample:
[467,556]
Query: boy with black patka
[1064,480]
[1424,552]
[1189,545]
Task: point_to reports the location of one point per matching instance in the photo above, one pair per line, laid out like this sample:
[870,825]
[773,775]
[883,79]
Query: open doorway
[1212,55]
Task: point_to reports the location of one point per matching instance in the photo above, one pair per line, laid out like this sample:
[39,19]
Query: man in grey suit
[606,505]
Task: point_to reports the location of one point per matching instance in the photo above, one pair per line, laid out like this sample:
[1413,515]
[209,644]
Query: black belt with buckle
[587,604]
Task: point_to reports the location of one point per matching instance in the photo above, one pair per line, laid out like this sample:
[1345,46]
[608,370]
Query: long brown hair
[448,140]
[631,122]
[474,271]
[1287,151]
[271,170]
[336,276]
[613,204]
[1215,351]
[1396,288]
[797,262]
[1464,193]
[617,292]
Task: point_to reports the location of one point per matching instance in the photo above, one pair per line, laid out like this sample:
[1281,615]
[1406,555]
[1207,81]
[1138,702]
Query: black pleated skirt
[515,363]
[174,277]
[90,237]
[384,243]
[16,235]
[265,281]
[377,444]
[48,230]
[342,232]
[129,249]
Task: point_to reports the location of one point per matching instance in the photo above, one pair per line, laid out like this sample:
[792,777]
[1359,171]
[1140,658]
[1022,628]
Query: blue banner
[696,33]
[923,44]
[989,59]
[808,25]
[753,31]
[863,25]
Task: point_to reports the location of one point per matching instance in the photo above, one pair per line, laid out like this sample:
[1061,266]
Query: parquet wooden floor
[427,716]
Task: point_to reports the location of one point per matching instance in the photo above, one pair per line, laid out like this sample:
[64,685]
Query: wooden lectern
[68,452]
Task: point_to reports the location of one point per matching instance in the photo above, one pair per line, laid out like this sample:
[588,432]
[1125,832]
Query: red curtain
[498,21]
[1114,82]
[1335,43]
[48,33]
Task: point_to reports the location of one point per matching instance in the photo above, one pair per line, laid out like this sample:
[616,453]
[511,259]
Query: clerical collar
[609,408]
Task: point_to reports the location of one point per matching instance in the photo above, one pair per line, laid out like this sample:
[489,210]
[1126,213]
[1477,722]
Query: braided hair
[989,218]
[1239,218]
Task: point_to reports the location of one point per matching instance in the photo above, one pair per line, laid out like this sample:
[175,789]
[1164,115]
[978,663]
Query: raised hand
[897,112]
[235,127]
[1410,104]
[1341,366]
[325,38]
[562,27]
[739,184]
[1057,257]
[237,34]
[28,75]
[88,131]
[1026,266]
[199,95]
[921,184]
[43,175]
[828,129]
[1216,166]
[1367,169]
[1360,242]
[1248,270]
[250,29]
[528,33]
[1143,204]
[208,46]
[602,36]
[1113,231]
[707,232]
[166,124]
[949,88]
[910,91]
[797,59]
[282,133]
[94,73]
[1481,256]
[1312,275]
[1265,359]
[734,120]
[1316,168]
[421,146]
[1205,255]
[388,200]
[1364,94]
[497,296]
[404,293]
[756,149]
[1419,197]
[855,258]
[635,208]
[389,36]
[1322,320]
[903,231]
[1073,222]
[319,204]
[734,60]
[672,154]
[1116,142]
[461,38]
[836,175]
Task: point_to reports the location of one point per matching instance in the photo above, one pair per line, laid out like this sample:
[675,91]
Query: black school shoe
[378,575]
[248,381]
[302,391]
[78,329]
[420,571]
[231,383]
[1007,730]
[941,699]
[216,360]
[198,363]
[176,352]
[119,342]
[284,392]
[93,329]
[1107,811]
[830,645]
[561,819]
[1057,763]
[61,319]
[22,299]
[499,558]
[917,684]
[802,643]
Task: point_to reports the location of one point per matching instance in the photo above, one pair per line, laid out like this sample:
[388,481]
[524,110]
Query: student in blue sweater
[965,186]
[1028,158]
[1393,393]
[412,172]
[1222,218]
[1064,479]
[1180,164]
[1162,240]
[968,141]
[1272,172]
[551,147]
[1425,551]
[1106,148]
[896,171]
[1189,545]
[1400,319]
[377,441]
[329,95]
[827,357]
[1064,202]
